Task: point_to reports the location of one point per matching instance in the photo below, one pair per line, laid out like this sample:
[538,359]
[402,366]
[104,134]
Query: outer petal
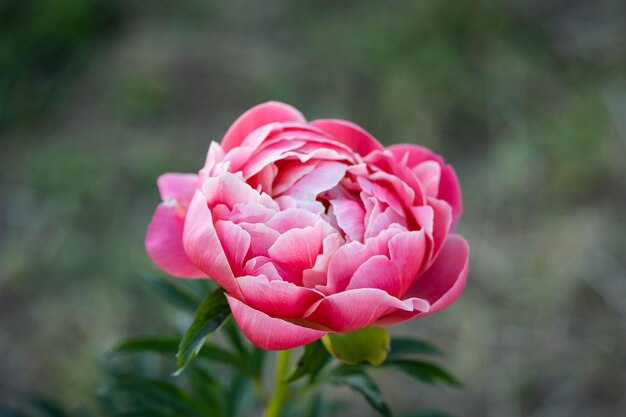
[268,332]
[349,134]
[354,309]
[175,186]
[413,154]
[444,281]
[277,298]
[450,191]
[204,248]
[258,116]
[164,243]
[449,188]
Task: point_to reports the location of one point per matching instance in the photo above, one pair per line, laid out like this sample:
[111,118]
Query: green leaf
[357,379]
[313,359]
[401,346]
[147,344]
[370,344]
[169,346]
[427,372]
[158,392]
[174,293]
[209,317]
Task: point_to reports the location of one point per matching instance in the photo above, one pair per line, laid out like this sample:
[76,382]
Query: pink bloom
[313,227]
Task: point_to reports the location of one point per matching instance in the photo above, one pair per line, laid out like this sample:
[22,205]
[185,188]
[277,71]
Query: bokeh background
[527,99]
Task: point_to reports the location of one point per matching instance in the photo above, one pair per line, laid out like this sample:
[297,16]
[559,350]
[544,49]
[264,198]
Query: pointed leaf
[370,344]
[169,346]
[401,346]
[427,372]
[357,379]
[313,359]
[209,317]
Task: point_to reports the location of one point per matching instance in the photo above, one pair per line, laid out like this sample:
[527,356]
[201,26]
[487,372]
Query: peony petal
[442,218]
[230,189]
[268,332]
[325,176]
[414,154]
[262,237]
[164,243]
[256,117]
[175,186]
[292,218]
[318,274]
[350,217]
[204,248]
[450,191]
[277,298]
[396,273]
[428,173]
[444,281]
[348,133]
[235,243]
[297,250]
[354,309]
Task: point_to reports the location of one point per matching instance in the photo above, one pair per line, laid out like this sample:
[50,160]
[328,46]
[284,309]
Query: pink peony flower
[313,227]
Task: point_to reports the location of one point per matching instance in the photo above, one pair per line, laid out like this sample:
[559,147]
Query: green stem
[279,397]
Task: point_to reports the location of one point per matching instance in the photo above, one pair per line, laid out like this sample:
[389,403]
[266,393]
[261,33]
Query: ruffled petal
[450,191]
[164,243]
[175,186]
[204,248]
[354,309]
[296,250]
[444,281]
[412,155]
[235,243]
[348,133]
[396,273]
[256,117]
[277,298]
[268,332]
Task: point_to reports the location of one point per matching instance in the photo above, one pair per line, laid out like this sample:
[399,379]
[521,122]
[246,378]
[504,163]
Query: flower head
[313,227]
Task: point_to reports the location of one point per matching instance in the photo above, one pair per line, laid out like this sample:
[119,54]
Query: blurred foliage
[42,43]
[527,99]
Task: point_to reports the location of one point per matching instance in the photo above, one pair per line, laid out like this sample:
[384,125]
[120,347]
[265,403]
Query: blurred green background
[527,99]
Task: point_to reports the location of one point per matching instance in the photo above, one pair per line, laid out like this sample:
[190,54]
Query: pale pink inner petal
[235,241]
[428,173]
[350,217]
[262,237]
[297,250]
[325,176]
[292,218]
[289,174]
[317,275]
